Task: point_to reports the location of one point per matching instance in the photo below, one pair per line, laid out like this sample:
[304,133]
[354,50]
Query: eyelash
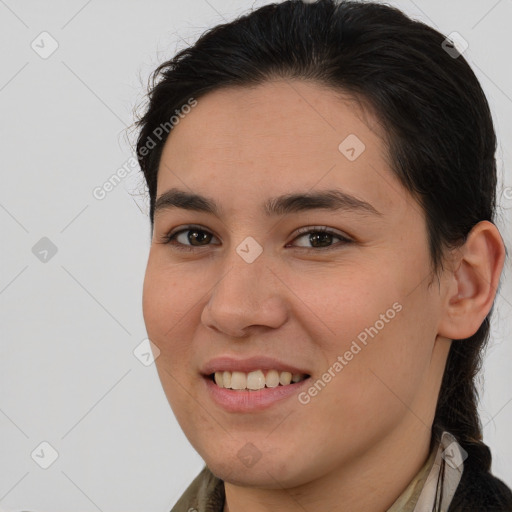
[170,238]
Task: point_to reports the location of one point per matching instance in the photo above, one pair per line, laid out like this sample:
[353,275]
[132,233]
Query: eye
[194,237]
[323,236]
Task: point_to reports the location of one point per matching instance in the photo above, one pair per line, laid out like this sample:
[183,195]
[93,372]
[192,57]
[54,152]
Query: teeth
[256,380]
[285,378]
[238,380]
[272,379]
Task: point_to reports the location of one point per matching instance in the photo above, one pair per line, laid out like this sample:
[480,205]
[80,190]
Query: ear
[472,286]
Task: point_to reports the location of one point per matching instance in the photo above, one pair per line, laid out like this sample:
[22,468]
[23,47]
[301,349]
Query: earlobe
[472,286]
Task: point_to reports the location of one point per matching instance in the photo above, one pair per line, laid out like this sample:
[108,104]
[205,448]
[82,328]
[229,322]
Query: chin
[258,477]
[264,473]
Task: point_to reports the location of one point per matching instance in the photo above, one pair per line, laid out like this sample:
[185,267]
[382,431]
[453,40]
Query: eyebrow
[334,199]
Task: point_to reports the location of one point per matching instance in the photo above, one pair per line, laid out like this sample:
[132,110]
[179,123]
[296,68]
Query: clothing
[432,489]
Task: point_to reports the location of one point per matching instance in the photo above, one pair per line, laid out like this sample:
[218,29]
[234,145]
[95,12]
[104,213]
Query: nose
[246,296]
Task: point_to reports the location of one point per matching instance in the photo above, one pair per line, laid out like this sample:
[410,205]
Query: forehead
[276,138]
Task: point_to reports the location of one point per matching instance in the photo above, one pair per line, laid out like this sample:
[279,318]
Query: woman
[324,261]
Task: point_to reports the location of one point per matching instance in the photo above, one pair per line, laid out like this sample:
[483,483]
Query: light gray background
[68,375]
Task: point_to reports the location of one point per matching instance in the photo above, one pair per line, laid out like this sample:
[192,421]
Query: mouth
[255,380]
[253,384]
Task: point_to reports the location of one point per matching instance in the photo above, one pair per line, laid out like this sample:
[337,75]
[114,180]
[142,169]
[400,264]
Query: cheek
[383,334]
[337,305]
[168,296]
[167,308]
[166,305]
[384,367]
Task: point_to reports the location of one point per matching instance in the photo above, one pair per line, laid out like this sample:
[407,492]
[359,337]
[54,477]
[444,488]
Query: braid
[457,412]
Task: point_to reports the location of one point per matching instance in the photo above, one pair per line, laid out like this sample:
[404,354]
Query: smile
[255,380]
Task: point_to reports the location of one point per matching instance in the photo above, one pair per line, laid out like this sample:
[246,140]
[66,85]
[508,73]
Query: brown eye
[321,237]
[188,238]
[194,237]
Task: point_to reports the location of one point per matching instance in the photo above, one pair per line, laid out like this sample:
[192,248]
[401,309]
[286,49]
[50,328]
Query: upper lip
[227,363]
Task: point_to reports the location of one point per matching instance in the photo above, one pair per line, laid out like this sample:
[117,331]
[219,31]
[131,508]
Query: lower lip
[251,401]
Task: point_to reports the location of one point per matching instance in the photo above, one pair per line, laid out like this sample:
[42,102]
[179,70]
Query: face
[242,290]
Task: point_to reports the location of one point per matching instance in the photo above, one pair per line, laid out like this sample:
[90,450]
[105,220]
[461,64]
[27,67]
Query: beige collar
[433,488]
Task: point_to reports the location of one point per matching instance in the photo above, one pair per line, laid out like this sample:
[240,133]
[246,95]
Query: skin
[241,146]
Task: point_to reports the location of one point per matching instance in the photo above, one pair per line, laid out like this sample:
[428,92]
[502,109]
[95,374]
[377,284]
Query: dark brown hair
[440,137]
